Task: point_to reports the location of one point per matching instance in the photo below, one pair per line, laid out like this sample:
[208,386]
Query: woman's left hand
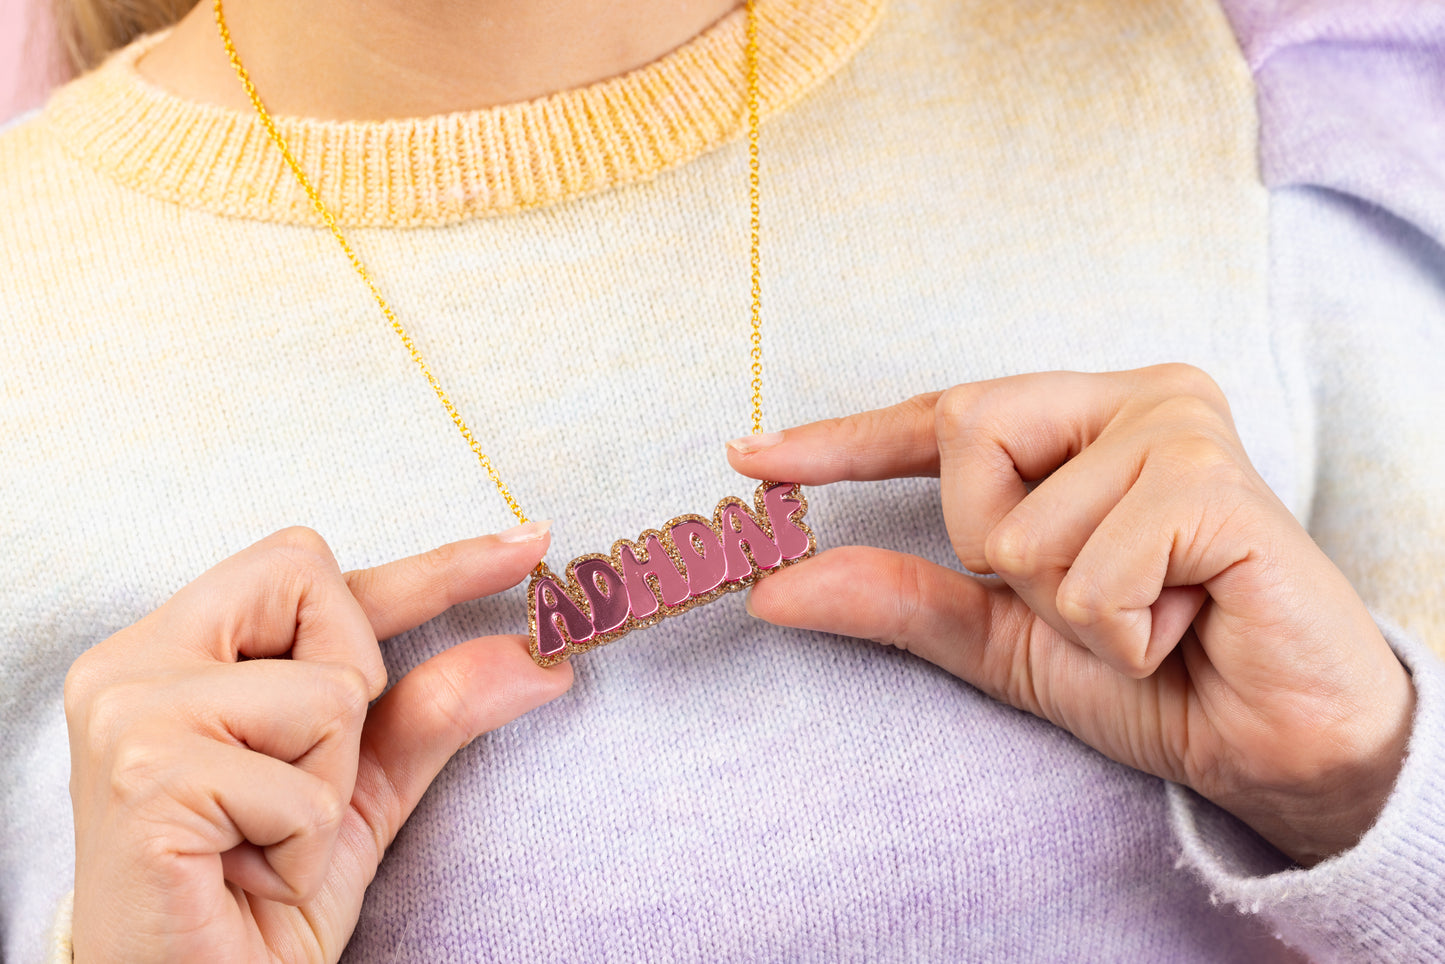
[1156,599]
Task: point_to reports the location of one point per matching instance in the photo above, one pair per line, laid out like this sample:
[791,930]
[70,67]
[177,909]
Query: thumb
[434,711]
[975,631]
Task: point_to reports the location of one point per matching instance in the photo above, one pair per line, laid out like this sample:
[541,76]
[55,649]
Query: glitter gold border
[758,513]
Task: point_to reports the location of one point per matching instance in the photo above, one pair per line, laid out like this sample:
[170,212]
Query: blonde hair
[88,30]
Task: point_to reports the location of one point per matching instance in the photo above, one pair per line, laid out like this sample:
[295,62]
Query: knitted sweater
[954,190]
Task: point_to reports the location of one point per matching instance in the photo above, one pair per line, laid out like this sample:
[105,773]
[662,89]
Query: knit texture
[441,169]
[1352,98]
[981,188]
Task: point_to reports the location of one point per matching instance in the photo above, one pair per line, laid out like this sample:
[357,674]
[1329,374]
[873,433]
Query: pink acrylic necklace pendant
[689,561]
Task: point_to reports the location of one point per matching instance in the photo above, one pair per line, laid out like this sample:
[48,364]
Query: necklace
[691,559]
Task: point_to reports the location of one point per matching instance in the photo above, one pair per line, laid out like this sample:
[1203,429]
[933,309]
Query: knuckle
[443,693]
[1081,602]
[908,603]
[850,433]
[327,809]
[299,549]
[1013,548]
[137,773]
[108,713]
[919,406]
[381,803]
[1192,413]
[81,682]
[968,423]
[1183,380]
[1200,458]
[960,403]
[1022,685]
[347,692]
[866,430]
[151,844]
[440,562]
[304,538]
[430,574]
[303,873]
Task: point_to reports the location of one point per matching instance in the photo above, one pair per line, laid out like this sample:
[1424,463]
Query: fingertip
[368,680]
[522,547]
[533,531]
[1172,616]
[247,866]
[1135,642]
[530,540]
[541,683]
[520,684]
[761,602]
[745,463]
[554,681]
[495,562]
[793,596]
[775,455]
[750,445]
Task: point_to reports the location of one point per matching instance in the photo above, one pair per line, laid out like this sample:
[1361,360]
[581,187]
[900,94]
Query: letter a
[552,604]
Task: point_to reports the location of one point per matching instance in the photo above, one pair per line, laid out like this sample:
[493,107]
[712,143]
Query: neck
[342,60]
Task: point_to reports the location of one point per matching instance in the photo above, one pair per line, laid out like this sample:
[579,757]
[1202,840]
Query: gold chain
[401,332]
[754,223]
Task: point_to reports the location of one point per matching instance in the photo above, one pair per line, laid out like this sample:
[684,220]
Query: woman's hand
[1156,599]
[235,809]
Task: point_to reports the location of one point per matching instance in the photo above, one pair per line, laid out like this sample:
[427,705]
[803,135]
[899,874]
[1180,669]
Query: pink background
[29,62]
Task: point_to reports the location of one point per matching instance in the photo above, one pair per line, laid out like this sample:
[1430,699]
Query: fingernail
[749,444]
[748,603]
[527,532]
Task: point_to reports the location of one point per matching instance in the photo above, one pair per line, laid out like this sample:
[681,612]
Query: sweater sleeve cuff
[59,949]
[1378,901]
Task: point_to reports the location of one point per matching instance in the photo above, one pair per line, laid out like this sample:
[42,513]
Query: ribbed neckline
[434,170]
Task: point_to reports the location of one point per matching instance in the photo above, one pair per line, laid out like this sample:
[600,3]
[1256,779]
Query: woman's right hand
[231,809]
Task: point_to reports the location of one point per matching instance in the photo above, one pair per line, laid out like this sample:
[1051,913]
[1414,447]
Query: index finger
[885,443]
[401,595]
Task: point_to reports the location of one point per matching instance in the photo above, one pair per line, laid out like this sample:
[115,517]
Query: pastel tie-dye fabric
[955,190]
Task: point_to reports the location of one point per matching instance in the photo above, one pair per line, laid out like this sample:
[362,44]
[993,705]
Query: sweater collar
[436,170]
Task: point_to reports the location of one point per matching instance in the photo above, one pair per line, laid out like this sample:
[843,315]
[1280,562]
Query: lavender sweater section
[1352,98]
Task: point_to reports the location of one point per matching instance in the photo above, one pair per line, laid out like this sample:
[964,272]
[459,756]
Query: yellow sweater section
[435,170]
